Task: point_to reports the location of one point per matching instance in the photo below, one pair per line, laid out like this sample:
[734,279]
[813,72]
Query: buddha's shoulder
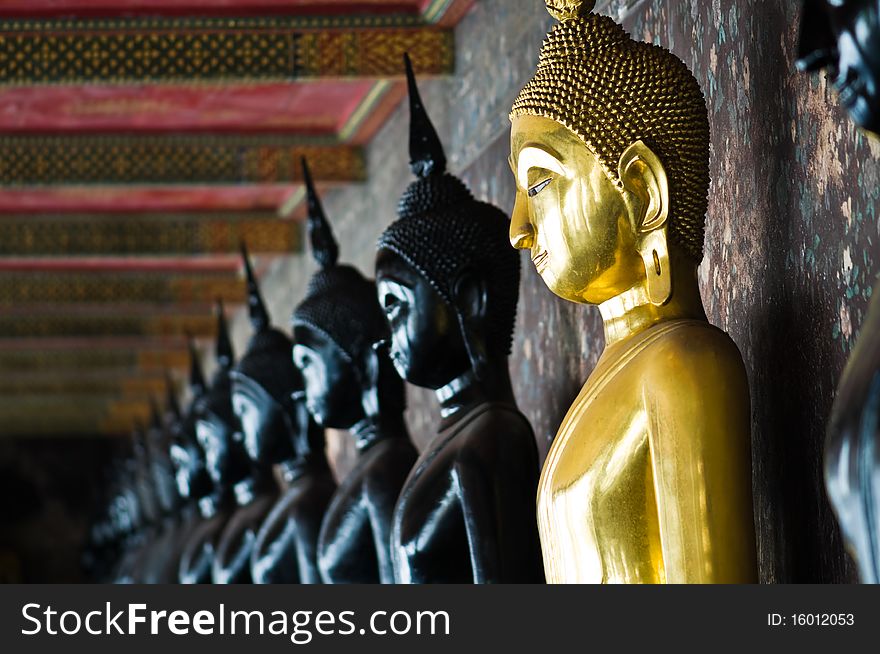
[495,419]
[696,350]
[496,429]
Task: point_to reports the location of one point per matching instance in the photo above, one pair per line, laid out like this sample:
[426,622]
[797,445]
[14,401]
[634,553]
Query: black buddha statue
[448,282]
[127,520]
[160,563]
[194,480]
[339,334]
[267,397]
[187,457]
[190,477]
[146,511]
[254,488]
[843,38]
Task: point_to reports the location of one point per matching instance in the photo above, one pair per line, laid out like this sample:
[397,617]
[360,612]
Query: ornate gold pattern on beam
[155,360]
[124,235]
[108,324]
[29,160]
[216,50]
[55,383]
[20,288]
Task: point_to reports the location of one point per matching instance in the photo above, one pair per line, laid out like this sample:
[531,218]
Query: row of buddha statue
[649,477]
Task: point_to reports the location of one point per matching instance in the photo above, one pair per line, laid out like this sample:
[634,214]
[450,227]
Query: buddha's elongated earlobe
[644,176]
[655,255]
[475,343]
[470,308]
[371,380]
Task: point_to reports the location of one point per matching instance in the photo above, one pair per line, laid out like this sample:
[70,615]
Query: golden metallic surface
[649,477]
[612,91]
[566,9]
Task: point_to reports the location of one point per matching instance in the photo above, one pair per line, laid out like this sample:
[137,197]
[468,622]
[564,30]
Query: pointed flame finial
[223,351]
[426,155]
[197,383]
[256,307]
[325,249]
[173,405]
[569,9]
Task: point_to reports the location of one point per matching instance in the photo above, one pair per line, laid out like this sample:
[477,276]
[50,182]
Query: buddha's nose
[522,233]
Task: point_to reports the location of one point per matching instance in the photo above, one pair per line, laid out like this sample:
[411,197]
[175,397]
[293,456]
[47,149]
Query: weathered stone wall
[790,239]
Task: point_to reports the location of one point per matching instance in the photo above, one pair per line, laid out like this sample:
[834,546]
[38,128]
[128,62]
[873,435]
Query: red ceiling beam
[314,109]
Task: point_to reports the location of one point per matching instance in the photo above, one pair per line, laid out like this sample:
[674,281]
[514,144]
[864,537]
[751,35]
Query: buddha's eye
[392,305]
[540,186]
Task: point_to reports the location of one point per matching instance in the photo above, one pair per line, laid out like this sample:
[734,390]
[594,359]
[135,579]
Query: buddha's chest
[597,513]
[429,533]
[430,492]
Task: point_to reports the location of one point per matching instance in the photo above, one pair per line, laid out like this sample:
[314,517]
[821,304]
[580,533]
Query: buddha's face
[164,482]
[570,216]
[333,390]
[215,437]
[843,37]
[427,348]
[263,422]
[124,512]
[190,473]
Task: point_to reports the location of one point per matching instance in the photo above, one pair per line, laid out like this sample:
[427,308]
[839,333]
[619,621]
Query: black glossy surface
[448,281]
[350,384]
[268,398]
[842,37]
[213,502]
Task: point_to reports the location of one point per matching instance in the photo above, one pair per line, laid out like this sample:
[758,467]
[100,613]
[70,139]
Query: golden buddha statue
[649,477]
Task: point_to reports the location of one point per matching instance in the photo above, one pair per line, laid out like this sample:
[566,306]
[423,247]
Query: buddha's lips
[539,259]
[848,92]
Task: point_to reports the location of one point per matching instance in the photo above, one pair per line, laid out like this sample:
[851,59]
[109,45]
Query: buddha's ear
[370,379]
[644,176]
[471,294]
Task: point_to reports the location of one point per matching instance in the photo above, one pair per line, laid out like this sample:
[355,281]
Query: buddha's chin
[558,287]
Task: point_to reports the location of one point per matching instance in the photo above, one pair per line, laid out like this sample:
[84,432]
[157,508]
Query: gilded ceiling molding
[42,160]
[134,235]
[181,50]
[106,325]
[17,288]
[147,359]
[86,383]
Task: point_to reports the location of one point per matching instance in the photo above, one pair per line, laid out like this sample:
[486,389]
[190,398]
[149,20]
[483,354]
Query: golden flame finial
[569,9]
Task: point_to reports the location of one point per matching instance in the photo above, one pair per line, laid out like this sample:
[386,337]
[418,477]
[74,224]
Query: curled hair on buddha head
[342,304]
[217,400]
[267,362]
[612,91]
[443,232]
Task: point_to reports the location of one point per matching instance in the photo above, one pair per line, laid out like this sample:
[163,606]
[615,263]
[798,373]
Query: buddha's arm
[234,556]
[274,556]
[198,556]
[697,403]
[380,519]
[480,520]
[343,536]
[306,554]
